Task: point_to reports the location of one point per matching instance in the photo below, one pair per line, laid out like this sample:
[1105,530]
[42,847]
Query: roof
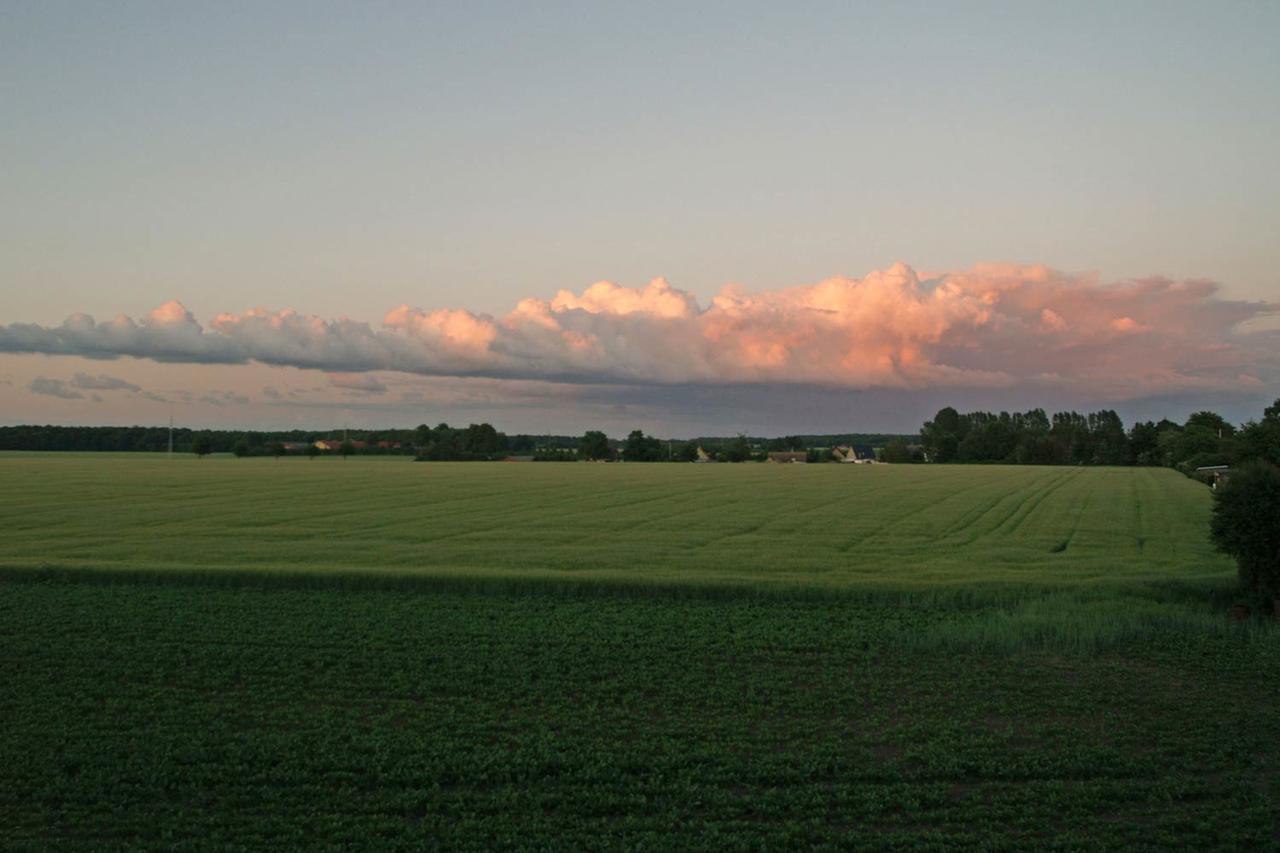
[335,444]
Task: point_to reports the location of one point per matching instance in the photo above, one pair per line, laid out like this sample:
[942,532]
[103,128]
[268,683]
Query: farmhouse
[854,453]
[789,456]
[1214,475]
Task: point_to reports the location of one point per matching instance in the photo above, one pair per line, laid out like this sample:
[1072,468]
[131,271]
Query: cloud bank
[993,326]
[67,389]
[54,388]
[102,382]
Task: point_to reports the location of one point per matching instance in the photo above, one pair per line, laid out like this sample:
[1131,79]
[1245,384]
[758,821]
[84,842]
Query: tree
[688,452]
[1144,447]
[523,444]
[942,435]
[948,421]
[422,435]
[1259,440]
[346,448]
[240,448]
[792,443]
[642,448]
[201,446]
[482,440]
[738,450]
[1213,422]
[1246,525]
[1196,442]
[277,449]
[1111,445]
[990,440]
[312,450]
[898,451]
[594,445]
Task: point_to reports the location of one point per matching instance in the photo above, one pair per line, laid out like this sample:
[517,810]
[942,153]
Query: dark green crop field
[240,654]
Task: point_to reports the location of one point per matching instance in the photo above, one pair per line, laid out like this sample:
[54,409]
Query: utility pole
[170,436]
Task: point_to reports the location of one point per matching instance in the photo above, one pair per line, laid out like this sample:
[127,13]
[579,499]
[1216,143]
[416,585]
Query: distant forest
[1099,438]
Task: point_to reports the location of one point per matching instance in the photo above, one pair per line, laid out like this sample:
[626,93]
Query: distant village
[855,454]
[475,442]
[1205,445]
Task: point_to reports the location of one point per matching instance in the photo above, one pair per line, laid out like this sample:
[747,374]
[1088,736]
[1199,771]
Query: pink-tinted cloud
[993,326]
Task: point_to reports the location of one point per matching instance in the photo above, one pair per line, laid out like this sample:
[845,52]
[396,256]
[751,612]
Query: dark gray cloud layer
[54,388]
[70,389]
[102,382]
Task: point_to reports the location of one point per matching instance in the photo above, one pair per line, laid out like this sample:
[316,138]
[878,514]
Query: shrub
[1246,525]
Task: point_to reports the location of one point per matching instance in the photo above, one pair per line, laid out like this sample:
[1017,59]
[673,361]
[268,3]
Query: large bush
[1246,525]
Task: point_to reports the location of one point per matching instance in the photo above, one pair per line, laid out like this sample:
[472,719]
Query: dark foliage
[643,448]
[1246,525]
[595,445]
[1098,438]
[899,452]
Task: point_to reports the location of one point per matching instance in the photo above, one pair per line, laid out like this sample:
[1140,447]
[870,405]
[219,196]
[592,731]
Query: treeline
[475,438]
[441,442]
[805,442]
[1029,438]
[482,442]
[1099,438]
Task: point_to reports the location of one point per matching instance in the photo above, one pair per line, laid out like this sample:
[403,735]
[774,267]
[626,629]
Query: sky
[687,218]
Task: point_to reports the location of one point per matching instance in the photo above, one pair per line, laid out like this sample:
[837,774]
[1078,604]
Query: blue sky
[344,160]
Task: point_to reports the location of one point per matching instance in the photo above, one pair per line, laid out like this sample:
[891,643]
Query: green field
[260,653]
[828,525]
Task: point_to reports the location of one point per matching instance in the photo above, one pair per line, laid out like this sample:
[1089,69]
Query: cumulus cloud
[54,388]
[991,327]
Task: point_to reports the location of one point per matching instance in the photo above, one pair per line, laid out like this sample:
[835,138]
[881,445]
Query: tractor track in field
[970,518]
[884,531]
[1075,528]
[1027,508]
